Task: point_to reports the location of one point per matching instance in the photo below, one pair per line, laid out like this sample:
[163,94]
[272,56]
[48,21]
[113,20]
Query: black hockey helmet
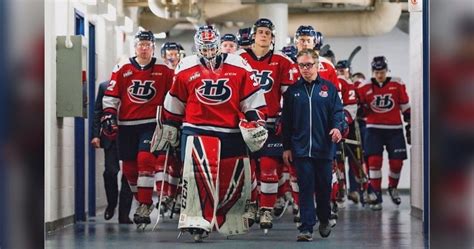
[229,37]
[319,40]
[243,37]
[169,46]
[379,63]
[144,35]
[342,64]
[263,22]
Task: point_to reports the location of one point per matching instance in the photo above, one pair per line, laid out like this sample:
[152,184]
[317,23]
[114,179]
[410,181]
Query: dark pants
[314,176]
[112,167]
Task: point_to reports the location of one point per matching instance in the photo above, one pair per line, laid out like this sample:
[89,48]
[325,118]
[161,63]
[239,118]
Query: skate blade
[265,231]
[141,227]
[197,238]
[179,234]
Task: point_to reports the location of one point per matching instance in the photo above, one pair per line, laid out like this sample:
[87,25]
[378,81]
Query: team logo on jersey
[194,76]
[382,103]
[324,91]
[141,92]
[265,79]
[214,92]
[128,73]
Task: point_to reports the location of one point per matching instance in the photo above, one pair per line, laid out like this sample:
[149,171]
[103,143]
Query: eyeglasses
[306,65]
[144,45]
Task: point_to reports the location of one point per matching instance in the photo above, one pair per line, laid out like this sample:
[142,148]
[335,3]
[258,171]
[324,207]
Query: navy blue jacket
[310,111]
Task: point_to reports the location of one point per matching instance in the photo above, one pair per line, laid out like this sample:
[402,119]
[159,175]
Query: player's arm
[110,104]
[406,111]
[338,115]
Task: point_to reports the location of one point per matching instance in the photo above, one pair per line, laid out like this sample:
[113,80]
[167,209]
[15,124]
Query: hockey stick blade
[353,53]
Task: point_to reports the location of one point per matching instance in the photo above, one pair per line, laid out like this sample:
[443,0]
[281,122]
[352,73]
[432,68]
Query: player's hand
[287,157]
[335,135]
[109,124]
[95,142]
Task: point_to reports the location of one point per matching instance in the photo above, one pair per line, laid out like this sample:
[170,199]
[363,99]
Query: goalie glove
[254,134]
[165,135]
[109,125]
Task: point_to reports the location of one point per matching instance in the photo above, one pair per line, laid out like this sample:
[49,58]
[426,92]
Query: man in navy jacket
[312,122]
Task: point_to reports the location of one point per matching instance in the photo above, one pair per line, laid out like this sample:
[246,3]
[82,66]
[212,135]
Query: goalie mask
[207,43]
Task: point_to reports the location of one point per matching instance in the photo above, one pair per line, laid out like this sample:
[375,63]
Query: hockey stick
[161,190]
[353,53]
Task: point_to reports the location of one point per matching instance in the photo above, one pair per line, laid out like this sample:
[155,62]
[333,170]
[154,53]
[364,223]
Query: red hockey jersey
[384,102]
[213,100]
[275,72]
[136,91]
[349,98]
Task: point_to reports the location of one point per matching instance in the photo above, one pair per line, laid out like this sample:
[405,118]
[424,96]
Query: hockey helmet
[379,63]
[169,46]
[244,37]
[207,37]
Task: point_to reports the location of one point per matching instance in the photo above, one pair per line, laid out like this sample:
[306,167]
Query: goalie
[222,111]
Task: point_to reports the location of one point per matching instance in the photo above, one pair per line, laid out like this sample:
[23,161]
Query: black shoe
[125,220]
[109,213]
[324,229]
[304,236]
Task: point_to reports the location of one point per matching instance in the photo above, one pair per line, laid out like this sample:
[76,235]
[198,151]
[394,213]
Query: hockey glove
[109,124]
[254,134]
[408,133]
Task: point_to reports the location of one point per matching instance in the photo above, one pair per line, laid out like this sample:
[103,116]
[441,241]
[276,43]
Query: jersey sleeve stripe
[254,101]
[110,102]
[176,96]
[404,107]
[173,105]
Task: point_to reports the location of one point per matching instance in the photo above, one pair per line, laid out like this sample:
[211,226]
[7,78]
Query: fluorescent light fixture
[161,35]
[89,2]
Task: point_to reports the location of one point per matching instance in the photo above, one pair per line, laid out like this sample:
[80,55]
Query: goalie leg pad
[201,161]
[213,195]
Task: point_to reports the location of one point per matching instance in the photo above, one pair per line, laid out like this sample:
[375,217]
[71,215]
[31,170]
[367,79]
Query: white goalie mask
[207,43]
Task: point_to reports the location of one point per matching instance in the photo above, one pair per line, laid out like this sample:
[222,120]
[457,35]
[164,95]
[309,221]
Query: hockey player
[384,98]
[137,86]
[229,43]
[243,37]
[170,53]
[306,37]
[275,72]
[352,151]
[211,94]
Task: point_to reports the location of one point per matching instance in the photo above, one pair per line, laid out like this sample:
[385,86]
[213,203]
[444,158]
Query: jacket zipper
[310,118]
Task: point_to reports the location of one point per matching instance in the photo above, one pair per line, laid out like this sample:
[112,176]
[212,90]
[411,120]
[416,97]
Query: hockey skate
[250,213]
[265,220]
[142,216]
[197,233]
[376,205]
[280,207]
[165,206]
[395,195]
[354,197]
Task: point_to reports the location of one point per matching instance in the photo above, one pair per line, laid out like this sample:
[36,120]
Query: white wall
[59,132]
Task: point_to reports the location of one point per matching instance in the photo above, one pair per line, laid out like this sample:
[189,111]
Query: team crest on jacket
[214,92]
[141,92]
[382,103]
[265,79]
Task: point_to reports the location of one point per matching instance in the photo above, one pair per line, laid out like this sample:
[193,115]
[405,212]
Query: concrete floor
[357,227]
